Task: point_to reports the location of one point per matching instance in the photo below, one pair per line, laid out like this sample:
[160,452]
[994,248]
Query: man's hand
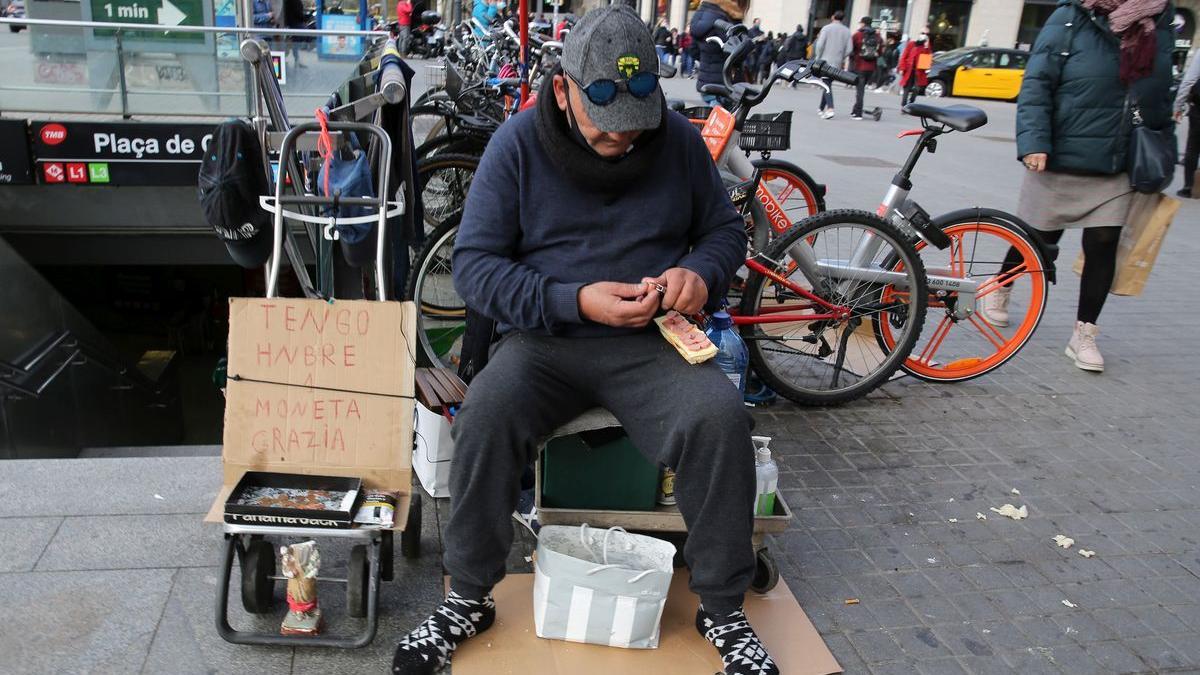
[617,304]
[685,293]
[1178,115]
[1035,162]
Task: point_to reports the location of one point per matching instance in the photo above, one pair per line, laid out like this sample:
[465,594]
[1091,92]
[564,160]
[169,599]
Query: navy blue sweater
[531,237]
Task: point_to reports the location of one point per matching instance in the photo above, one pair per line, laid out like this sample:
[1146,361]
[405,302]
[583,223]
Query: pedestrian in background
[404,10]
[913,77]
[687,52]
[712,58]
[868,45]
[766,56]
[294,19]
[1092,60]
[485,13]
[1187,102]
[833,45]
[673,48]
[264,14]
[887,63]
[662,37]
[794,47]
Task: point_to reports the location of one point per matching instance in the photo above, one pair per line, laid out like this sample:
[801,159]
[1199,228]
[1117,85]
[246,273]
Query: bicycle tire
[810,191]
[969,368]
[436,319]
[810,229]
[442,119]
[441,201]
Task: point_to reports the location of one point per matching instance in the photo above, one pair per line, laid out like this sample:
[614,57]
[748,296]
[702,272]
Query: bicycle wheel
[795,195]
[430,120]
[441,313]
[444,181]
[835,358]
[955,349]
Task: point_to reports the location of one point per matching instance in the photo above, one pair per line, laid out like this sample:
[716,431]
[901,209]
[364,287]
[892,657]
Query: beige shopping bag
[1149,218]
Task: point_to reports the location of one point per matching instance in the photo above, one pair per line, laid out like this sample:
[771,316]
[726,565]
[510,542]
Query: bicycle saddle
[957,117]
[715,90]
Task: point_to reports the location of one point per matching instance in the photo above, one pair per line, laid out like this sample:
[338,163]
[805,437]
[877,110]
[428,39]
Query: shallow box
[340,517]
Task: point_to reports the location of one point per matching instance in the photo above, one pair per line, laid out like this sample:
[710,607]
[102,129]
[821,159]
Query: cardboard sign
[512,645]
[320,387]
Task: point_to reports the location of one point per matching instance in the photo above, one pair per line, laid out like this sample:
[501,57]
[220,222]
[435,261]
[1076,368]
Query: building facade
[952,23]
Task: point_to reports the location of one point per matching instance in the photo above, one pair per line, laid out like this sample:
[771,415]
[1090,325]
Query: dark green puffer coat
[1072,104]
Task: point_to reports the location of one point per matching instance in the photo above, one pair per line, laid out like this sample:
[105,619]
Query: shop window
[948,24]
[1033,17]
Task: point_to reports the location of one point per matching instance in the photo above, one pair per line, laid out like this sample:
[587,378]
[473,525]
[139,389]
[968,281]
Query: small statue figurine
[300,563]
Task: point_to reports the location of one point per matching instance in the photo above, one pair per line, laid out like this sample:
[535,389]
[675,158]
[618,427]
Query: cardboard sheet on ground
[512,647]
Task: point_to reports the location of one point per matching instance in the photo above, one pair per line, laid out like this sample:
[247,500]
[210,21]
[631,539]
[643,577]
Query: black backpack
[870,46]
[232,176]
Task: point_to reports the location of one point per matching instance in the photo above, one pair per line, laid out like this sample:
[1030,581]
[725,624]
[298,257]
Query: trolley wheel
[410,538]
[877,113]
[386,551]
[357,579]
[766,572]
[258,564]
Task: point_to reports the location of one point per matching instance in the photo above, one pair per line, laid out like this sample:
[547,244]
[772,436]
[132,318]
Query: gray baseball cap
[612,43]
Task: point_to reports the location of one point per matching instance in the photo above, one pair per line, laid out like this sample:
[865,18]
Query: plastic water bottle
[766,474]
[732,356]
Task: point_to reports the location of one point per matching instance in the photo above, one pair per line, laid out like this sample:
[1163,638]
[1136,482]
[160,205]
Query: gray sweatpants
[689,418]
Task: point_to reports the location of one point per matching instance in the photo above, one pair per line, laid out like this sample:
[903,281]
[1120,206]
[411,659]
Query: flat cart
[666,519]
[250,546]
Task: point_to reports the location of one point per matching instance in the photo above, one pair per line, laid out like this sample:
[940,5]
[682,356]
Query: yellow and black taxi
[982,72]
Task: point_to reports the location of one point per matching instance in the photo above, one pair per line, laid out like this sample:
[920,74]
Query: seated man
[577,204]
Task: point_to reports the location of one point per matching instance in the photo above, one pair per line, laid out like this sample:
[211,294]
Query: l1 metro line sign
[150,12]
[118,153]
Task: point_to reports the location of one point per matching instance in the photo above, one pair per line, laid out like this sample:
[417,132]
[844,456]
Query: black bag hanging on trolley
[232,176]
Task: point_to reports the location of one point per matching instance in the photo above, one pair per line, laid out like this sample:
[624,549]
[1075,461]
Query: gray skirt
[1058,201]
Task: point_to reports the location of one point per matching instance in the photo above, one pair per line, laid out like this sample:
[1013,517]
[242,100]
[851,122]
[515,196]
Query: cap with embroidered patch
[612,43]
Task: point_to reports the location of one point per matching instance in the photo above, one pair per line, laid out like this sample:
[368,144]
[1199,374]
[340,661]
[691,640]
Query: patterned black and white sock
[427,648]
[741,650]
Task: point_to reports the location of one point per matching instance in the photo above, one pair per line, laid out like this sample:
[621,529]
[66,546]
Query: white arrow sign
[169,14]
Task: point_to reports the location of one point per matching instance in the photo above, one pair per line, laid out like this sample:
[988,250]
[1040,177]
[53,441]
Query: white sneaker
[994,306]
[1083,349]
[828,114]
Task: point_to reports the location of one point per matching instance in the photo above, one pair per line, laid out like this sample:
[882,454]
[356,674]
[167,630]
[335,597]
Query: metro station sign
[150,12]
[118,153]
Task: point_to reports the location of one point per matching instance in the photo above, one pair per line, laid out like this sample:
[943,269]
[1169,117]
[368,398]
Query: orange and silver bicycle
[967,331]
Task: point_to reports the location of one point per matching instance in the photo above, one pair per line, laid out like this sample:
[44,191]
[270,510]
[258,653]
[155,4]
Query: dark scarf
[1133,21]
[571,154]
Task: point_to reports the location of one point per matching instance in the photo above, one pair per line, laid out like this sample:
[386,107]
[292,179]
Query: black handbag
[1152,154]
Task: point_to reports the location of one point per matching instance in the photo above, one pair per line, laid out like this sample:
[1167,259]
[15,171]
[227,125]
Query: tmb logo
[53,134]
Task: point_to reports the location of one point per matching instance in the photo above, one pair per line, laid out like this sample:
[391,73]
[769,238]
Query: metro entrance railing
[62,66]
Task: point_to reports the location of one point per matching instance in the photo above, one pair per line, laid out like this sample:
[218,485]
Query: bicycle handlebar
[823,69]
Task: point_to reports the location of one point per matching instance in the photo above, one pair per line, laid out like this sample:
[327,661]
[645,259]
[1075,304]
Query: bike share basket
[435,76]
[767,132]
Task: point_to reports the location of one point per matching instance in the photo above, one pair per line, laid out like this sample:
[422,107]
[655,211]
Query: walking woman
[912,76]
[1092,63]
[712,59]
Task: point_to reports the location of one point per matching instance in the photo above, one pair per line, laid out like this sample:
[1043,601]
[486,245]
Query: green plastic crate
[599,470]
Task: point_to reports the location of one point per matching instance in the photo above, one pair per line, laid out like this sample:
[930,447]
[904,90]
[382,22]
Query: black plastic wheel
[357,578]
[410,538]
[386,552]
[766,572]
[258,564]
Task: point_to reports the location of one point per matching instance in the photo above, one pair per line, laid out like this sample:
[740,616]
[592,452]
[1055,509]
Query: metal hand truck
[371,558]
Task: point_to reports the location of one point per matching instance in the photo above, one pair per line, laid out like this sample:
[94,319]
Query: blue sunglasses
[604,92]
